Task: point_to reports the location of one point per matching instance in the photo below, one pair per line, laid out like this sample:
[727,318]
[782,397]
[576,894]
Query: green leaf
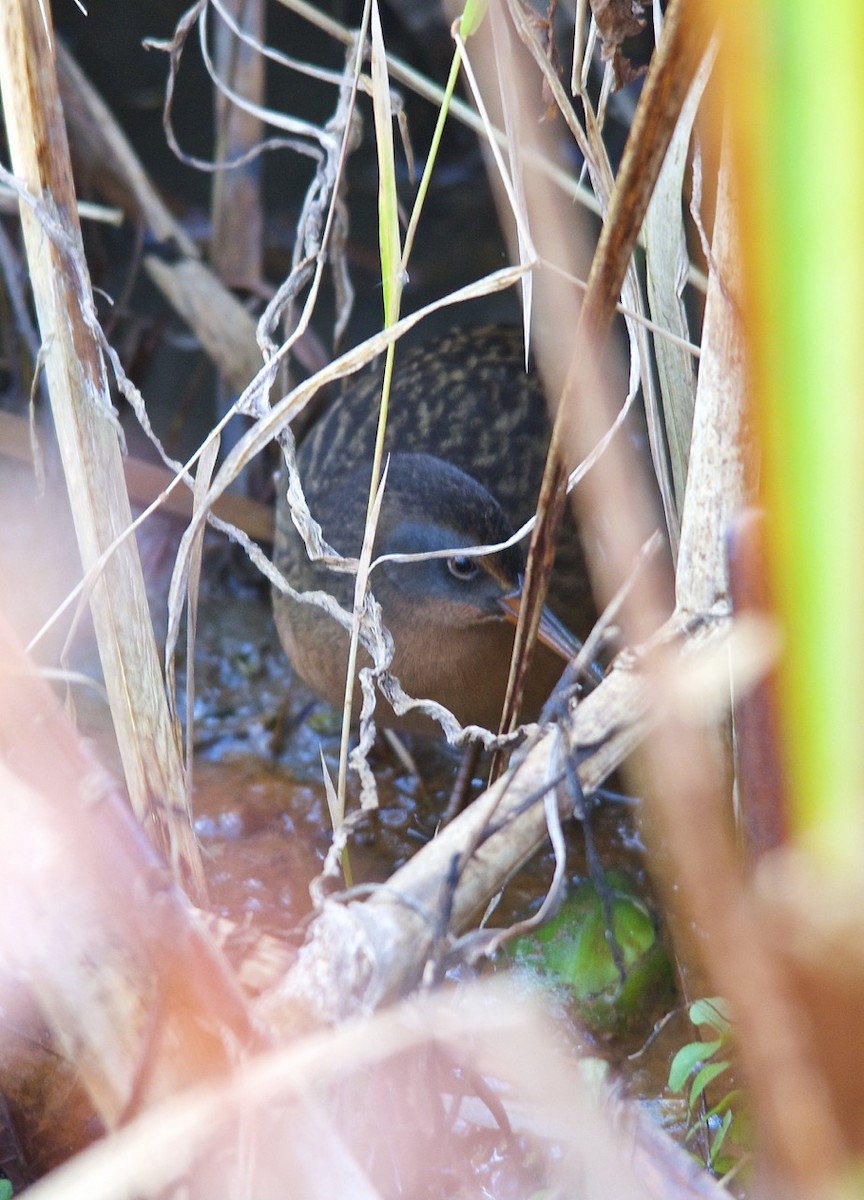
[6,1190]
[472,17]
[714,1012]
[719,1138]
[736,1096]
[688,1059]
[705,1077]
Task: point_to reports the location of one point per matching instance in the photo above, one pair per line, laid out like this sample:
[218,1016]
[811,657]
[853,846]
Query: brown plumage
[467,433]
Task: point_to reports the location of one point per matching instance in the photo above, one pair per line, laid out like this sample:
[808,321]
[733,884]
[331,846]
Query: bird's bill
[552,632]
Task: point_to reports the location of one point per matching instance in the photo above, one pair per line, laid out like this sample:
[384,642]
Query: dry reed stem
[666,261]
[364,954]
[238,218]
[88,440]
[601,172]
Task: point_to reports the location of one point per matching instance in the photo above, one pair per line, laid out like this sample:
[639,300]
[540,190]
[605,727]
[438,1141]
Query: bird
[466,441]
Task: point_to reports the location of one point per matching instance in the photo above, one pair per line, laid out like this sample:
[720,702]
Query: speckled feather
[466,399]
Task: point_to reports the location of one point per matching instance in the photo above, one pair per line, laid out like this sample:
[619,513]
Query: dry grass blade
[85,209]
[203,476]
[362,600]
[666,264]
[541,557]
[527,253]
[669,78]
[517,209]
[601,174]
[89,447]
[719,426]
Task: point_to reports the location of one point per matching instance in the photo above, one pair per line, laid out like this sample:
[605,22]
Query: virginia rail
[467,433]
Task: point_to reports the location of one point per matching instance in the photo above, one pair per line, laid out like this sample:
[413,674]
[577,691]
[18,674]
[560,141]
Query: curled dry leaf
[618,20]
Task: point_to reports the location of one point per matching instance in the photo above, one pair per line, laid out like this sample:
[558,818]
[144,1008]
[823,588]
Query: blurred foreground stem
[795,77]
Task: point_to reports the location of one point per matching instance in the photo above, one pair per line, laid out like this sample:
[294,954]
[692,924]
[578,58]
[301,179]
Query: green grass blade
[799,132]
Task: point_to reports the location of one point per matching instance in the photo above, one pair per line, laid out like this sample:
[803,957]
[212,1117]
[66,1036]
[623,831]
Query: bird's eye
[462,567]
